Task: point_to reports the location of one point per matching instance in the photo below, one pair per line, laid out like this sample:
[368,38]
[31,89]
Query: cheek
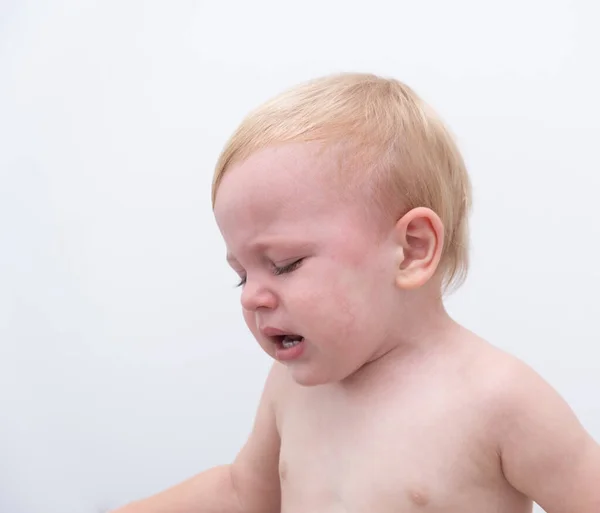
[359,300]
[339,305]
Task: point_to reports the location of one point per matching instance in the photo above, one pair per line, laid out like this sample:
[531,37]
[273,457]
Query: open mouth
[288,341]
[288,347]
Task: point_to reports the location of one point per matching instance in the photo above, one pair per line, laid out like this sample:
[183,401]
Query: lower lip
[285,354]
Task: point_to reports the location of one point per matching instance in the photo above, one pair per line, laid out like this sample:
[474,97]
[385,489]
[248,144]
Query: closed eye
[287,268]
[277,271]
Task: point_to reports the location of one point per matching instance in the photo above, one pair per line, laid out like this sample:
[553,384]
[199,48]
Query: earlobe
[420,235]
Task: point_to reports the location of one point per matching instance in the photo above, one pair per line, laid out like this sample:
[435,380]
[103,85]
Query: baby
[343,204]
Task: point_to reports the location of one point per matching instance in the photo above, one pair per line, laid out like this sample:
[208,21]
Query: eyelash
[277,271]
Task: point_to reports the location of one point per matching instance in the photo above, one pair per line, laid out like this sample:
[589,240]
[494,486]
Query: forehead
[276,190]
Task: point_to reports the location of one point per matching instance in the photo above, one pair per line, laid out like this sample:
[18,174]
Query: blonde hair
[407,157]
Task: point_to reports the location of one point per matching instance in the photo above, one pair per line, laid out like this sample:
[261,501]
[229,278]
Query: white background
[124,363]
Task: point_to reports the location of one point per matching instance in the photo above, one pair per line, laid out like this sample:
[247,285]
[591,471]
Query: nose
[255,296]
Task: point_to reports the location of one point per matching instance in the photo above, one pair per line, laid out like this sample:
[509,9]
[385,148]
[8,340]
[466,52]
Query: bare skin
[423,432]
[408,433]
[390,406]
[426,432]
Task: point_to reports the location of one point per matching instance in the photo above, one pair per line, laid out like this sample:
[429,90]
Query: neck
[423,326]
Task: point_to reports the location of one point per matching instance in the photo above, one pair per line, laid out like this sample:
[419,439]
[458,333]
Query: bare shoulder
[545,451]
[278,385]
[504,381]
[514,392]
[255,469]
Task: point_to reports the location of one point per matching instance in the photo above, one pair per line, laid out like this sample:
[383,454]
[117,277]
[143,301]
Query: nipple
[418,497]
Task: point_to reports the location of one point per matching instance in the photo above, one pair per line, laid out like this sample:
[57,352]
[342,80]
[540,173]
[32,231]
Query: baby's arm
[249,485]
[545,451]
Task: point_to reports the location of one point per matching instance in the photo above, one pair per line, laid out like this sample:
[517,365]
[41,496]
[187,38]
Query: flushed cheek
[331,316]
[353,313]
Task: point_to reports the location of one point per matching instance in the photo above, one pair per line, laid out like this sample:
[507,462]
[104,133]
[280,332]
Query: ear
[420,236]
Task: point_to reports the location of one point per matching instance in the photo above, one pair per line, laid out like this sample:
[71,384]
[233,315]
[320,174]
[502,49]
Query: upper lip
[269,331]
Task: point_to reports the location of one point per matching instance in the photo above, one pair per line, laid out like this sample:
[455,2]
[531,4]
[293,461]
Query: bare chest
[429,454]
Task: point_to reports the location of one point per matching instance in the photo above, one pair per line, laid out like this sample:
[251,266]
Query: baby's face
[318,289]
